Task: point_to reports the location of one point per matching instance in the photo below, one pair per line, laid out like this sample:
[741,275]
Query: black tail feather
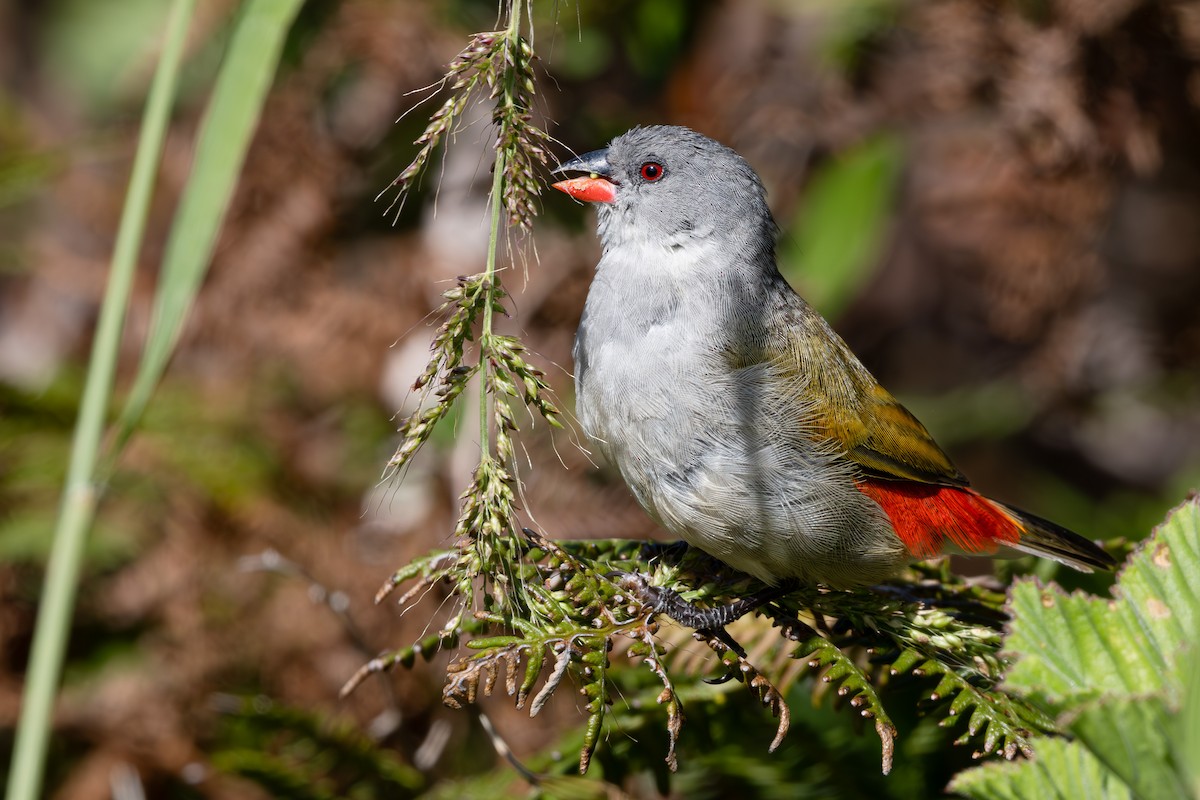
[1050,540]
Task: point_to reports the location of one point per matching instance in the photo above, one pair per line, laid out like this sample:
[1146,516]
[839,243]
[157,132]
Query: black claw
[722,635]
[726,678]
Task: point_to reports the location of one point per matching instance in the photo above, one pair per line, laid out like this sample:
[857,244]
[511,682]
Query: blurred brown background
[997,203]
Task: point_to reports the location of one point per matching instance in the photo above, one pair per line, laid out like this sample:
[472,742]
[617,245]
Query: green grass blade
[79,495]
[225,134]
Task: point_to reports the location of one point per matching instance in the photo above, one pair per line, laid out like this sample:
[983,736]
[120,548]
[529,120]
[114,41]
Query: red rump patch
[926,517]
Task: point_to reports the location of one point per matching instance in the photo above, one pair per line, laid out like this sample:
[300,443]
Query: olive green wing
[886,439]
[846,405]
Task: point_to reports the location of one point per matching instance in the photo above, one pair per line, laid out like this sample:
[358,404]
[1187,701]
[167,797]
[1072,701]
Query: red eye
[652,171]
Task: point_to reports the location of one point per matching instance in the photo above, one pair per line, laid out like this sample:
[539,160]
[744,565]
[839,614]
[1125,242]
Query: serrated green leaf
[1061,771]
[1074,648]
[1162,580]
[1111,668]
[1185,729]
[1132,739]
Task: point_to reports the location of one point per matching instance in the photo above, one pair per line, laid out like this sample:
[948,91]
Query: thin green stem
[490,271]
[497,198]
[80,492]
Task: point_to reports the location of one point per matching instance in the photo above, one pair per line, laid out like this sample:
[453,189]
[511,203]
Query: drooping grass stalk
[496,65]
[80,492]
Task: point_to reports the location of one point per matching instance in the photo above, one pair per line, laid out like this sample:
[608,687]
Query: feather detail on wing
[847,407]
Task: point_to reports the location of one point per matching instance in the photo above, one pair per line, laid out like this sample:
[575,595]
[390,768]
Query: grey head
[667,185]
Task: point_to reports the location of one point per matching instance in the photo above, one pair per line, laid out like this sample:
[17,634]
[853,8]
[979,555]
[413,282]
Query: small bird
[740,421]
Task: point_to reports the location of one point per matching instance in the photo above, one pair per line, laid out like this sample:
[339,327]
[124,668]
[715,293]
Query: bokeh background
[996,203]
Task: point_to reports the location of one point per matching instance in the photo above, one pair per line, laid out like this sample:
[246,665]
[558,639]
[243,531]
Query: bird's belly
[717,459]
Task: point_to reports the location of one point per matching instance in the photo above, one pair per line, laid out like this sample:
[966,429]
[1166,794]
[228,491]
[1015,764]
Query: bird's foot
[709,623]
[663,600]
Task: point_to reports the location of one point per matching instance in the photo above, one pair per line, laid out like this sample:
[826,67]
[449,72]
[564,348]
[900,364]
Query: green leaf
[1132,739]
[281,777]
[1113,671]
[1162,581]
[1074,648]
[298,753]
[837,235]
[1186,725]
[1061,770]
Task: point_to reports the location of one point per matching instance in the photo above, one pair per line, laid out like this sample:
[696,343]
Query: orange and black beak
[596,186]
